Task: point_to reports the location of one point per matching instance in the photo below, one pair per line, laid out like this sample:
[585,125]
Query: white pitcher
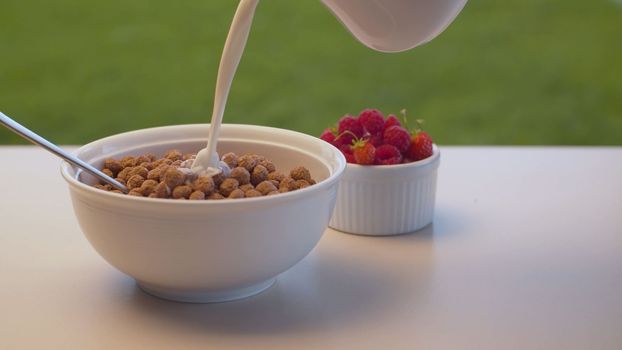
[395,25]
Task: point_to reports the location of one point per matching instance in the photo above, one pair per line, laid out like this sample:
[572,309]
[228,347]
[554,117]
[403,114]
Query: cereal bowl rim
[333,177]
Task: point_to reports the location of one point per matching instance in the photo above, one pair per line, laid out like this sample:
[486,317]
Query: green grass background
[505,72]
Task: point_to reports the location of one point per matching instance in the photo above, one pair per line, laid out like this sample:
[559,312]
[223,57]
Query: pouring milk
[383,25]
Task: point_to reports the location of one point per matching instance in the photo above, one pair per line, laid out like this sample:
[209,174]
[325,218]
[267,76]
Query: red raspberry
[328,135]
[398,137]
[347,152]
[388,155]
[348,125]
[372,120]
[391,121]
[420,146]
[376,140]
[364,152]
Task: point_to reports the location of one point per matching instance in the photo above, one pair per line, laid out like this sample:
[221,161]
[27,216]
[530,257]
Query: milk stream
[207,160]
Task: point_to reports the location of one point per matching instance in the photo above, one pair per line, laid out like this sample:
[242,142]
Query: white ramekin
[207,251]
[380,200]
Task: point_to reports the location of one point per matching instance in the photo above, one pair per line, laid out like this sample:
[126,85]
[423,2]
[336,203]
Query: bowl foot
[194,296]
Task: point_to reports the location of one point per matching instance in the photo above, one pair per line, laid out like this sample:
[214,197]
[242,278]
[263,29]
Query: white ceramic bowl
[383,200]
[207,251]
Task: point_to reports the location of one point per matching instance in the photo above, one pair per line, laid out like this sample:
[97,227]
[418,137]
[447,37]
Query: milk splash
[207,161]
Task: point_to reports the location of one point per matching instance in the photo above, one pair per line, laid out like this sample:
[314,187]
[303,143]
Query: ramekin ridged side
[387,200]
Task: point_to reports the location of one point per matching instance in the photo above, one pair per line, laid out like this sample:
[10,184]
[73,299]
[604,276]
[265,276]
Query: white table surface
[525,253]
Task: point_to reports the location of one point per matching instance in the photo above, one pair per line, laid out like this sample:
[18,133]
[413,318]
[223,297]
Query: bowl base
[186,296]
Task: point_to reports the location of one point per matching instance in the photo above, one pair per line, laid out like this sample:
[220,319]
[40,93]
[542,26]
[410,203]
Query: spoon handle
[38,140]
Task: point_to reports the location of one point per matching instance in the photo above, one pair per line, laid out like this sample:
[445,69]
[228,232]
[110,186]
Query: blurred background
[524,72]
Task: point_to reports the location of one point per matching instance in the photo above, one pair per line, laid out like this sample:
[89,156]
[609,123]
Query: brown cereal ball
[228,185]
[128,161]
[142,159]
[268,165]
[173,177]
[311,182]
[163,161]
[121,181]
[235,194]
[156,173]
[265,187]
[123,174]
[138,170]
[151,157]
[287,184]
[135,192]
[113,165]
[161,190]
[231,159]
[275,183]
[302,184]
[246,187]
[247,161]
[197,195]
[241,174]
[116,191]
[173,155]
[148,187]
[272,193]
[182,191]
[146,165]
[216,196]
[252,193]
[104,187]
[276,176]
[177,163]
[219,178]
[135,182]
[260,174]
[108,172]
[300,173]
[188,156]
[204,184]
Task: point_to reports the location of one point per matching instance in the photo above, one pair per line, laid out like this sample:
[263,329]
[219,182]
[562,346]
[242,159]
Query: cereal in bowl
[170,177]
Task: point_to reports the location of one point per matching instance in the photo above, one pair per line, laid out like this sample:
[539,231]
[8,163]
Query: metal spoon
[40,141]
